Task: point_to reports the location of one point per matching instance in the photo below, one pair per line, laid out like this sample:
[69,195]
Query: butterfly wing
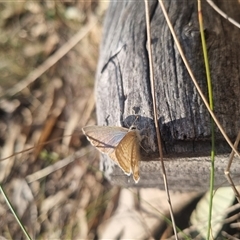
[135,158]
[105,138]
[127,154]
[119,143]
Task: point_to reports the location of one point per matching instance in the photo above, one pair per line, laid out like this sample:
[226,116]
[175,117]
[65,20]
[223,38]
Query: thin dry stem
[232,153]
[155,117]
[227,171]
[223,14]
[32,148]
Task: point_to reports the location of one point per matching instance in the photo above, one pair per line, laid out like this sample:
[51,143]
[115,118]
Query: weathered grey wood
[184,174]
[123,86]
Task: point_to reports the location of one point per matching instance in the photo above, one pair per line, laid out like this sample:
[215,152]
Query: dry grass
[67,203]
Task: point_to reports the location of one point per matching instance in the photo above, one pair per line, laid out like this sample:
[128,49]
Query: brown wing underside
[127,154]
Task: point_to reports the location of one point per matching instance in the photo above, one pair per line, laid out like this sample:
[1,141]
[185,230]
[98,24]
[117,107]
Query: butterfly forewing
[105,138]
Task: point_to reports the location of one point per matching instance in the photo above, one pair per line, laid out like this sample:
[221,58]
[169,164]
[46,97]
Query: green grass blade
[210,96]
[14,213]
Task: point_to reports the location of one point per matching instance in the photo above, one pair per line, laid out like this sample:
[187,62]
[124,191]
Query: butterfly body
[120,144]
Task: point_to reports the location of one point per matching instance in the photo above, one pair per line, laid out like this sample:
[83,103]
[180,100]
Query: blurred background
[46,94]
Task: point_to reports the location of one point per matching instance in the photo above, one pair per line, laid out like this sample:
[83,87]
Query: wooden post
[123,89]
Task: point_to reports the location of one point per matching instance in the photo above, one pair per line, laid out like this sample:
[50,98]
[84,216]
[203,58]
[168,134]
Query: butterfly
[122,145]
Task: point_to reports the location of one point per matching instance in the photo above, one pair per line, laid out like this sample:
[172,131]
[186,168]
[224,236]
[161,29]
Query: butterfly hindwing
[128,154]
